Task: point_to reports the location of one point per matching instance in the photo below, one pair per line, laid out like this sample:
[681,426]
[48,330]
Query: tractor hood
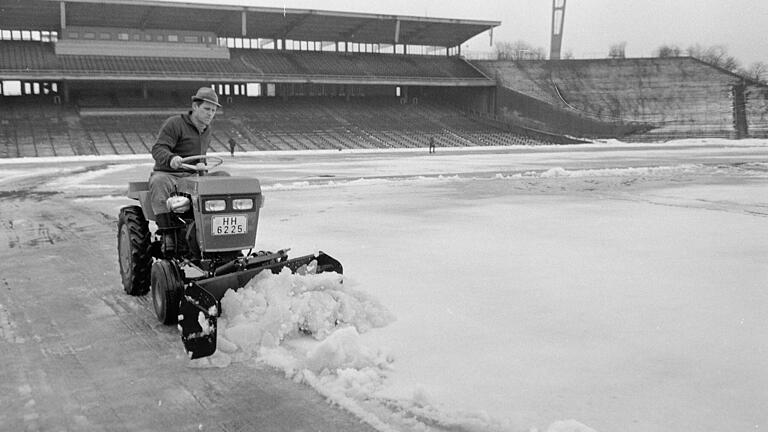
[219,185]
[227,227]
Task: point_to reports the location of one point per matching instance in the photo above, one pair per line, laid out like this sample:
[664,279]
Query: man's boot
[168,226]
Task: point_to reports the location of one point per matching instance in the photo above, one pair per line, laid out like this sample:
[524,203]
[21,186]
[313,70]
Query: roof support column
[63,15]
[397,31]
[243,26]
[65,90]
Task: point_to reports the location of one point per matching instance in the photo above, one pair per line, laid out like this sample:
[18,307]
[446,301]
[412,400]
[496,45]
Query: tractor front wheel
[133,247]
[167,289]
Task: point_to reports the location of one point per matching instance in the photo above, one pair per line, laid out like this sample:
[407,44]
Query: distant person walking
[431,144]
[232,145]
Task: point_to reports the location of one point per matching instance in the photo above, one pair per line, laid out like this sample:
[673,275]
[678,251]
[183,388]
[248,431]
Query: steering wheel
[208,163]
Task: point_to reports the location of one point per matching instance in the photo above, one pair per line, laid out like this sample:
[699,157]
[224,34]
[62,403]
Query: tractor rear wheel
[167,289]
[133,247]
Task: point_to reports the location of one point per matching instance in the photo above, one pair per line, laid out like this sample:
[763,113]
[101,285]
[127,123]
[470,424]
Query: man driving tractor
[180,136]
[205,222]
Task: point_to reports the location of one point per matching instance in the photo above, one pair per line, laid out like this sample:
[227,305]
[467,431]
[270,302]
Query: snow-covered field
[607,287]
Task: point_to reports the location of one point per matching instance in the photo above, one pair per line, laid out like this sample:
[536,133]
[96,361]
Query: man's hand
[176,162]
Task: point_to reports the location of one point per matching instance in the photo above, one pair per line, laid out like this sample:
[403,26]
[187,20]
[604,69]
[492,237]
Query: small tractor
[220,215]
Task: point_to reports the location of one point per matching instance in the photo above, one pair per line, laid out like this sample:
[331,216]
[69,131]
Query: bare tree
[519,50]
[618,50]
[758,71]
[539,53]
[716,55]
[666,51]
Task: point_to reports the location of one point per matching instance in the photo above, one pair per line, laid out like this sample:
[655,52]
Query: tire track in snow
[8,327]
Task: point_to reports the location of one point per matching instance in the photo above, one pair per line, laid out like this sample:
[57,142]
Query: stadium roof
[240,21]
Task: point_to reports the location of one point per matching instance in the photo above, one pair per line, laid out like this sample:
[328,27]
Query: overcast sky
[591,26]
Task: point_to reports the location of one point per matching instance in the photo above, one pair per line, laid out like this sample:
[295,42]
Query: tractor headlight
[216,205]
[242,204]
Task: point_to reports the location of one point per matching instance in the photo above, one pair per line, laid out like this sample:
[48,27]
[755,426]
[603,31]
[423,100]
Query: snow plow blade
[201,302]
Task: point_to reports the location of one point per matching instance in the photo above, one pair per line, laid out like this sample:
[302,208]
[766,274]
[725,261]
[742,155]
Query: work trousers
[162,184]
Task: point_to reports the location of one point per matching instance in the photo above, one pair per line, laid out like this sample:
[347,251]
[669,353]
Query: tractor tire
[133,247]
[167,289]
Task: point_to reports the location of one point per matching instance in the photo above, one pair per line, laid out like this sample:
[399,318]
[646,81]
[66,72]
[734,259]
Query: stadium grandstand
[644,98]
[82,77]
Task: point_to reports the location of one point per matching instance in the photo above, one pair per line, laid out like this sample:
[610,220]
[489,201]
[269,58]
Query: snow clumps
[294,322]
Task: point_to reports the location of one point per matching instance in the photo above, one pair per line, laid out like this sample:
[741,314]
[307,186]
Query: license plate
[228,225]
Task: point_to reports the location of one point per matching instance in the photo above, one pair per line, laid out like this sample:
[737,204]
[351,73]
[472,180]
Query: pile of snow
[752,168]
[610,172]
[9,175]
[299,322]
[89,178]
[272,308]
[308,326]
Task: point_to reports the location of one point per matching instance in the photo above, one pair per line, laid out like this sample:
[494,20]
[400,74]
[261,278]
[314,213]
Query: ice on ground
[618,281]
[568,426]
[309,327]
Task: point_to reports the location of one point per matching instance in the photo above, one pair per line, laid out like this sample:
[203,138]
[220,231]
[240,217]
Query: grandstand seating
[18,55]
[153,65]
[678,96]
[270,62]
[32,128]
[363,123]
[526,77]
[39,129]
[757,111]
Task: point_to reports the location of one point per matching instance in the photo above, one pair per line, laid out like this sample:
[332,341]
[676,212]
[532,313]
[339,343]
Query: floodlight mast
[558,18]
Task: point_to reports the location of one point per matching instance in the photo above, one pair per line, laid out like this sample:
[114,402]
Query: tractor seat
[135,187]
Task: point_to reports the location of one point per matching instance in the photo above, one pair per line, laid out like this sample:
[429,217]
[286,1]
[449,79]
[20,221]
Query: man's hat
[206,94]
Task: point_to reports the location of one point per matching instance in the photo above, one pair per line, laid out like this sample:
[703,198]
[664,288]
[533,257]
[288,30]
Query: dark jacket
[178,136]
